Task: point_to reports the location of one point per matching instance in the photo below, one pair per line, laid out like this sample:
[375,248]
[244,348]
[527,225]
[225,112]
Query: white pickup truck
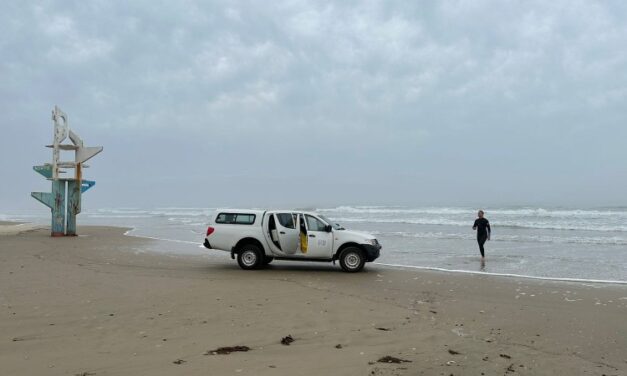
[258,237]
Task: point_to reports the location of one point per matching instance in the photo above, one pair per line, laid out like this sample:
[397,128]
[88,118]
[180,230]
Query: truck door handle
[312,236]
[282,232]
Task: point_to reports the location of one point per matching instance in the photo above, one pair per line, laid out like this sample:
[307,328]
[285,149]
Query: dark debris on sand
[453,352]
[228,350]
[287,340]
[179,361]
[384,329]
[391,359]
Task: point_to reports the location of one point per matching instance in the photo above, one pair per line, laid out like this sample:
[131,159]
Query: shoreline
[507,275]
[518,256]
[101,304]
[418,267]
[8,228]
[127,232]
[10,223]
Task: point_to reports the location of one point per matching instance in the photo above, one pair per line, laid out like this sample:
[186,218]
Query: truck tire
[267,260]
[249,257]
[352,259]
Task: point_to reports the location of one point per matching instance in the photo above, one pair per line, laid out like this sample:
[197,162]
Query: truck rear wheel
[352,259]
[249,257]
[267,260]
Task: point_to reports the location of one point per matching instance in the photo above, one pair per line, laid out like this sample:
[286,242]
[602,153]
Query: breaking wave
[603,220]
[522,212]
[613,240]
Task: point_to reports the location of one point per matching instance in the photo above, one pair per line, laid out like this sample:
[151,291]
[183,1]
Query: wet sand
[14,228]
[98,305]
[8,223]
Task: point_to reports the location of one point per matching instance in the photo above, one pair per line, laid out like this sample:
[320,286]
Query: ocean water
[552,243]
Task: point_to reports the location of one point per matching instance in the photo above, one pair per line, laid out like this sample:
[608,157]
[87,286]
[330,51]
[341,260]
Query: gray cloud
[305,103]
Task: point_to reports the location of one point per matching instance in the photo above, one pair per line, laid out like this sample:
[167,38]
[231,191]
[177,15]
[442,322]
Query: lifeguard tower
[65,199]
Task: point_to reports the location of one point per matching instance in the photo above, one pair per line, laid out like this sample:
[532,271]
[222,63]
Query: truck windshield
[336,226]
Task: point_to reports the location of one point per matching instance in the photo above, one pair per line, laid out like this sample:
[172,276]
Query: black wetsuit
[482,226]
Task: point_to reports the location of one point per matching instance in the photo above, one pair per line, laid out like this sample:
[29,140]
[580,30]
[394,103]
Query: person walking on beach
[482,226]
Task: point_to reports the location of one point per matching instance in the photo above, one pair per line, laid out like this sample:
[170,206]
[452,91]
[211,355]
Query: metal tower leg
[73,205]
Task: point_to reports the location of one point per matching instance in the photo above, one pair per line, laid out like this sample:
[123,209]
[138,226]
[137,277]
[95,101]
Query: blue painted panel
[86,185]
[45,170]
[43,197]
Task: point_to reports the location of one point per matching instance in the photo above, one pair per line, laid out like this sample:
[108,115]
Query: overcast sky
[303,103]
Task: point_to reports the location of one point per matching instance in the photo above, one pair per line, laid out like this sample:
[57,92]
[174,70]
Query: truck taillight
[210,230]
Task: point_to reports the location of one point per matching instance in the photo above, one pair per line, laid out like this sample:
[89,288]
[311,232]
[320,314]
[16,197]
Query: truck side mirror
[328,228]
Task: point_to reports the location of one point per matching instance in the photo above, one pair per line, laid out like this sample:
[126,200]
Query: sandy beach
[97,305]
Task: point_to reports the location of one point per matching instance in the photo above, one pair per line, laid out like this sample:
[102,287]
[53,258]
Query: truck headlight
[372,242]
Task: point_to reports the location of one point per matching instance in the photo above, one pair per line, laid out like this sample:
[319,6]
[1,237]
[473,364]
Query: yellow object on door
[303,242]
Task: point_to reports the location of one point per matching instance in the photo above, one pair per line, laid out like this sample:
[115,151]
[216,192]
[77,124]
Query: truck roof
[240,211]
[262,211]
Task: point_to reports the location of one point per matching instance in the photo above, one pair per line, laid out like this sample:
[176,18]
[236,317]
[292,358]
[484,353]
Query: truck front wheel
[249,257]
[352,259]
